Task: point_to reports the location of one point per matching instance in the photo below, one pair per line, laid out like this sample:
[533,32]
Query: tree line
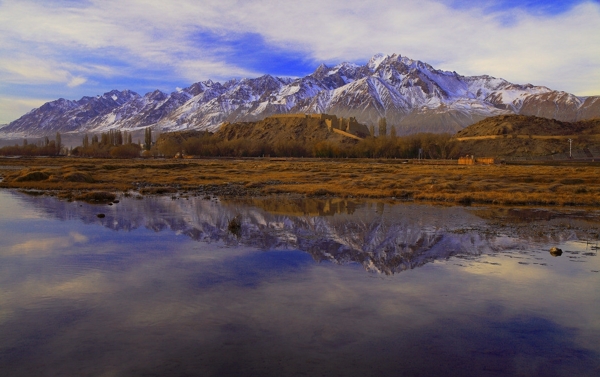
[114,143]
[43,147]
[119,144]
[423,145]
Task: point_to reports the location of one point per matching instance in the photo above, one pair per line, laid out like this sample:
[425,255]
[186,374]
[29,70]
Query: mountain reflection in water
[381,237]
[161,287]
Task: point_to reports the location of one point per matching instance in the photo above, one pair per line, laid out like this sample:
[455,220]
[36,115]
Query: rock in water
[556,252]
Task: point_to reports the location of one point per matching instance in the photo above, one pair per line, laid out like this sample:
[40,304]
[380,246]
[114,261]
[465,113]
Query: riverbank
[69,178]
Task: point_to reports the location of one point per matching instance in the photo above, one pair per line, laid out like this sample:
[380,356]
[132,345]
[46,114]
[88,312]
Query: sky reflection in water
[160,287]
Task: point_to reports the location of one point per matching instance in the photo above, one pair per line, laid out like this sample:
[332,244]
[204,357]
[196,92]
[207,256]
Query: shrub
[33,176]
[126,151]
[78,177]
[169,148]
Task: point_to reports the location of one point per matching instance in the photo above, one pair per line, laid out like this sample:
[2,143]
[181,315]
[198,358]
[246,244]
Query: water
[161,287]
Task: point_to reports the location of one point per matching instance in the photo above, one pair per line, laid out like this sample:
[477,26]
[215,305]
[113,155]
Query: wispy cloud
[13,107]
[93,44]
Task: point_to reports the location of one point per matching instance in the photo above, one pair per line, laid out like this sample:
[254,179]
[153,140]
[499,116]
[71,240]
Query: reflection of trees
[381,238]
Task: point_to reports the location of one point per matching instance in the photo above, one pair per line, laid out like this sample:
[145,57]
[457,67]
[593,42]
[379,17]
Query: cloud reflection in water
[142,297]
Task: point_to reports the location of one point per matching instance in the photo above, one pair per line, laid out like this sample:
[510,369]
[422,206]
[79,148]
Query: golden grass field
[73,178]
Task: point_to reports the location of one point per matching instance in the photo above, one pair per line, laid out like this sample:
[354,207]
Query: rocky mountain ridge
[412,95]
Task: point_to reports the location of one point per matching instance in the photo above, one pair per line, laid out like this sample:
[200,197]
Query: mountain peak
[156,95]
[376,60]
[321,71]
[118,96]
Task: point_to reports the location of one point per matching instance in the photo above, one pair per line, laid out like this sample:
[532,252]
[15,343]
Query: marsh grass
[499,184]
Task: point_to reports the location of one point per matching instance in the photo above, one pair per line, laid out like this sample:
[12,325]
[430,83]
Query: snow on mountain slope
[554,105]
[411,94]
[66,116]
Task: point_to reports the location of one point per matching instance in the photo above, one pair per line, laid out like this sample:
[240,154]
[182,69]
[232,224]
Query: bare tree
[148,138]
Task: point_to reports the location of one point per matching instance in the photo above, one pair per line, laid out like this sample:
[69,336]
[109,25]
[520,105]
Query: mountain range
[412,95]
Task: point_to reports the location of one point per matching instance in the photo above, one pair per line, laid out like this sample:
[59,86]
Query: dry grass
[499,184]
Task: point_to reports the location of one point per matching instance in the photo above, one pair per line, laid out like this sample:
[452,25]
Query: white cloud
[25,69]
[12,108]
[76,81]
[559,51]
[192,69]
[31,69]
[52,43]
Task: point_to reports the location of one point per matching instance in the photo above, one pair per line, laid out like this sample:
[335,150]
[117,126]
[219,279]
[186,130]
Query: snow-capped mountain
[412,95]
[68,116]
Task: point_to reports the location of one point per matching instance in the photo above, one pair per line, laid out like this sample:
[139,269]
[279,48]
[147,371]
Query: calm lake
[163,286]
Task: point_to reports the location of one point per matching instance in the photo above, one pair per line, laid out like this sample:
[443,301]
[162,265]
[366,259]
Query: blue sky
[543,7]
[67,48]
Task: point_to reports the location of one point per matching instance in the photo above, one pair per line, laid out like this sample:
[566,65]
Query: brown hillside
[280,129]
[529,125]
[526,136]
[509,147]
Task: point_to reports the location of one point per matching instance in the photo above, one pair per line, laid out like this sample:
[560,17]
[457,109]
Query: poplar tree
[148,139]
[382,126]
[58,143]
